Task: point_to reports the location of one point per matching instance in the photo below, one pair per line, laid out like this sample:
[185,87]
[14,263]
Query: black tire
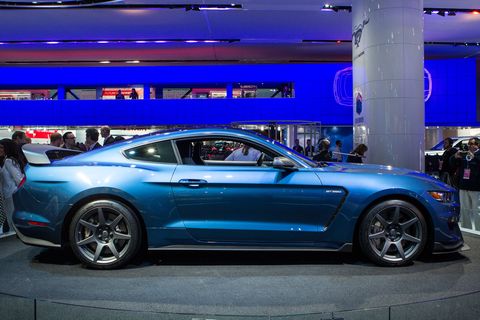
[105,234]
[393,233]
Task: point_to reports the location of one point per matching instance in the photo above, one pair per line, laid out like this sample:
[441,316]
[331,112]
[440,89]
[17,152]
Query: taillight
[24,179]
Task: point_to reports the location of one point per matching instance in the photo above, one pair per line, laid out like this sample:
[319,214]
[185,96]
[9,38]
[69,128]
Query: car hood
[373,169]
[364,168]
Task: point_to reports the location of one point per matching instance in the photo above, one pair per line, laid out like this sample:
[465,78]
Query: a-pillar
[388,81]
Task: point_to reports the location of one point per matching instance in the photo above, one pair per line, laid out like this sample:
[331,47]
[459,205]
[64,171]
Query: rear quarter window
[154,152]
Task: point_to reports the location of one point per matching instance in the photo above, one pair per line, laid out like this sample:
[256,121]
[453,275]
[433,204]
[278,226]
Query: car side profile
[174,191]
[460,143]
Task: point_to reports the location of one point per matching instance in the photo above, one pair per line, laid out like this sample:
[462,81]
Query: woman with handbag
[11,174]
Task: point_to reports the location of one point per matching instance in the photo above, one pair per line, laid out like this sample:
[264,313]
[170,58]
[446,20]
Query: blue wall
[453,100]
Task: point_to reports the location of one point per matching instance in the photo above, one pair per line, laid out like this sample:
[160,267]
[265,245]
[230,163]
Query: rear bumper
[34,241]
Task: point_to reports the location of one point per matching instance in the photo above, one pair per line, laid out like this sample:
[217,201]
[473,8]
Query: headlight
[441,196]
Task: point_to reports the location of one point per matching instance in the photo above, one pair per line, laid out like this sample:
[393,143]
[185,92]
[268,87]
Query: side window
[223,151]
[154,152]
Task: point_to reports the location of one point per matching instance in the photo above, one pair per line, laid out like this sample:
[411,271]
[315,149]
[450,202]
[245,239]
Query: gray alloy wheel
[393,233]
[105,234]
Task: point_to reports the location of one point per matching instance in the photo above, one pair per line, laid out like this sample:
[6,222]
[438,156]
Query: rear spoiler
[45,154]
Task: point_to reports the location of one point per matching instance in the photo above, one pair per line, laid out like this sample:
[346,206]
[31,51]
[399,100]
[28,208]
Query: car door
[235,203]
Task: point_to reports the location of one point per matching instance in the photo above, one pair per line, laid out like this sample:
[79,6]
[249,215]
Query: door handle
[192,183]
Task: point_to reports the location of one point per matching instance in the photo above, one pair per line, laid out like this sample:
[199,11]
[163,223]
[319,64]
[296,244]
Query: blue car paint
[309,207]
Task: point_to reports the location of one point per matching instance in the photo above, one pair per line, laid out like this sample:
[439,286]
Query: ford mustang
[165,191]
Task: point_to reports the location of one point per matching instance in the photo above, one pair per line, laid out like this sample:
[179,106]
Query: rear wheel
[393,233]
[105,234]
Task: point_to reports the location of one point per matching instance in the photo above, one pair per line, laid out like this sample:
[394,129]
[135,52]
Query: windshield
[439,146]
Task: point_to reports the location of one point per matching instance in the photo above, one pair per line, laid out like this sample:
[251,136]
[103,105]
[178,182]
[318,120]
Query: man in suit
[107,138]
[91,140]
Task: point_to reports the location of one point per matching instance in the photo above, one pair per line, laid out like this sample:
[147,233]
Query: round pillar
[388,84]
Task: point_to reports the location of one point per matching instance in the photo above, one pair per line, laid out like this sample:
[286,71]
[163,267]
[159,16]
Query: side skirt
[347,247]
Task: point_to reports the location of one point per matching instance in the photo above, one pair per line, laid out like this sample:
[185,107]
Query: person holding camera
[468,164]
[447,172]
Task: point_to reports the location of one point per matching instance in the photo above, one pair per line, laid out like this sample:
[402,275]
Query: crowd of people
[322,151]
[13,162]
[461,169]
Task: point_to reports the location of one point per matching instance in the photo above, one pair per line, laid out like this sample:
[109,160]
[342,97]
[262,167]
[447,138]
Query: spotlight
[329,7]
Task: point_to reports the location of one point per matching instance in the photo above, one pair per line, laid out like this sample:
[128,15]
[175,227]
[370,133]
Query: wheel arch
[81,202]
[407,198]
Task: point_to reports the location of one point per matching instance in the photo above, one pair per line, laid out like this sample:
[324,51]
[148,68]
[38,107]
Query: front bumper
[440,248]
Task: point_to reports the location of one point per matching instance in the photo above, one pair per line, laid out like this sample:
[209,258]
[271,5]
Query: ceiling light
[55,4]
[331,8]
[115,41]
[110,4]
[132,61]
[104,62]
[475,12]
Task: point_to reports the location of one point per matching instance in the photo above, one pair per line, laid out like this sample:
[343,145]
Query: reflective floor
[236,283]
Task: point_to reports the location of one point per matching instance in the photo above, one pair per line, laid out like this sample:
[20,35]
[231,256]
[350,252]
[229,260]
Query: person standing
[69,141]
[468,164]
[309,149]
[119,95]
[56,139]
[107,137]
[447,171]
[297,147]
[91,139]
[337,153]
[324,153]
[20,138]
[245,153]
[133,95]
[356,156]
[11,175]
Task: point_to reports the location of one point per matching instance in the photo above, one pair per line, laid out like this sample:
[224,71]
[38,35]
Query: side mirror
[283,163]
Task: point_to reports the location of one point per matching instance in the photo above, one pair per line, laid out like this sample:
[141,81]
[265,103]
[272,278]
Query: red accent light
[475,12]
[338,41]
[22,182]
[37,224]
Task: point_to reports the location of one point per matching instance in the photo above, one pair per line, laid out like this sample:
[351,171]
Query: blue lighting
[451,103]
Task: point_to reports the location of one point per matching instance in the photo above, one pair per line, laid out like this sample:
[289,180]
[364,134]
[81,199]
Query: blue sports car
[181,190]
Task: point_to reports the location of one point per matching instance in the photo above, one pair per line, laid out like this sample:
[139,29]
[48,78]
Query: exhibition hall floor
[249,285]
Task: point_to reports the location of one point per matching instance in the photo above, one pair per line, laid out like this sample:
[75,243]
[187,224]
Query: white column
[388,93]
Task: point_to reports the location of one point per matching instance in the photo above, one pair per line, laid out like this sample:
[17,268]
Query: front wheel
[393,233]
[105,234]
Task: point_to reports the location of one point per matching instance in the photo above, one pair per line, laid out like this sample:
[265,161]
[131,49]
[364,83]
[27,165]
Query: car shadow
[237,258]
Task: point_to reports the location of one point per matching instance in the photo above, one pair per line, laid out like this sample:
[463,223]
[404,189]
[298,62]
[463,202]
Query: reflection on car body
[166,191]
